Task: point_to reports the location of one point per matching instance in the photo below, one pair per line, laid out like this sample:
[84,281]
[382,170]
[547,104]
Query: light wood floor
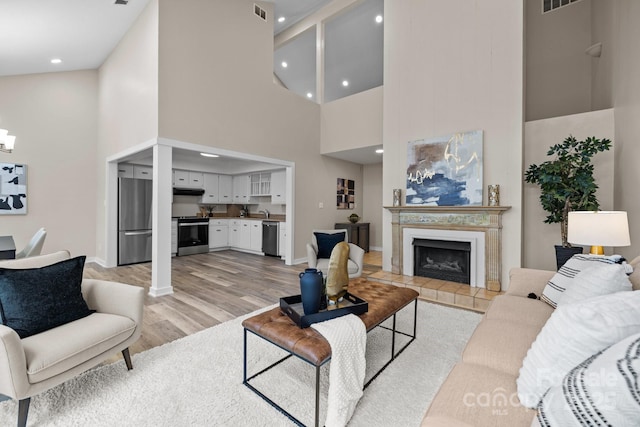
[210,289]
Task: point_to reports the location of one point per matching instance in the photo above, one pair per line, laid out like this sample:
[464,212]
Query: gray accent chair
[356,255]
[37,363]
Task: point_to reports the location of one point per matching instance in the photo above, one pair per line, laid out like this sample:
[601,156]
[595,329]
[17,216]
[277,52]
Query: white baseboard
[98,261]
[375,248]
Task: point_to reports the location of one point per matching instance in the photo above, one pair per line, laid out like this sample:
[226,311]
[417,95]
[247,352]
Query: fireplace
[480,226]
[442,259]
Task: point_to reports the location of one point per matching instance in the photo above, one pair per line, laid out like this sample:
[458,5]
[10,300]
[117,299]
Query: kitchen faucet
[265,212]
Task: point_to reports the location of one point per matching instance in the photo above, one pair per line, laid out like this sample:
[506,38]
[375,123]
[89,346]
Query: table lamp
[598,229]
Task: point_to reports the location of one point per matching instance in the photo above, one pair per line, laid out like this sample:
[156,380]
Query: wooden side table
[358,233]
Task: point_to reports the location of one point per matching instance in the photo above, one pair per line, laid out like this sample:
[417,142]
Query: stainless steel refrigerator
[134,220]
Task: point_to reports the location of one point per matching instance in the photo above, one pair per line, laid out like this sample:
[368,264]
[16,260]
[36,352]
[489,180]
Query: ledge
[447,209]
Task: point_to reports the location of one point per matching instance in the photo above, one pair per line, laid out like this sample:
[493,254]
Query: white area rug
[197,381]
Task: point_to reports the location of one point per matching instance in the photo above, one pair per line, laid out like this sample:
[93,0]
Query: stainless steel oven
[193,235]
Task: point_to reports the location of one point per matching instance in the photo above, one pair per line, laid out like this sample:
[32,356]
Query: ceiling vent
[260,12]
[122,1]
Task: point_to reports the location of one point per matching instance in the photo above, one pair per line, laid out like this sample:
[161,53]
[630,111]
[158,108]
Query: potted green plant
[566,183]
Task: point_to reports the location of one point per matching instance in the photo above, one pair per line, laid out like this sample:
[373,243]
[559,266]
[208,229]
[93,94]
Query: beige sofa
[34,364]
[481,389]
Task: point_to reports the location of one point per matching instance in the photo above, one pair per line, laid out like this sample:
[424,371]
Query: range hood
[187,191]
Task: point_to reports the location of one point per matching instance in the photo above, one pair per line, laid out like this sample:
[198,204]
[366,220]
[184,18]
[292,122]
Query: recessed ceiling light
[284,64]
[379,19]
[345,83]
[379,151]
[309,95]
[281,19]
[56,61]
[209,155]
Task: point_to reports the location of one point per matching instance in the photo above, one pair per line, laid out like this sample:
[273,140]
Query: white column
[161,239]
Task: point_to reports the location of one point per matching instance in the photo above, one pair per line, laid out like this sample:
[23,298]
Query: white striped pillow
[573,333]
[567,273]
[601,391]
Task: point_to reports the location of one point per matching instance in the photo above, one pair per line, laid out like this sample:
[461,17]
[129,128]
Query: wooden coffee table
[310,346]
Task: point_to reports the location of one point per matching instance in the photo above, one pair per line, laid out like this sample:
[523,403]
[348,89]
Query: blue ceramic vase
[311,284]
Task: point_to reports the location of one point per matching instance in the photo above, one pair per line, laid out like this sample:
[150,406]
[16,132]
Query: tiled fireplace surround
[479,225]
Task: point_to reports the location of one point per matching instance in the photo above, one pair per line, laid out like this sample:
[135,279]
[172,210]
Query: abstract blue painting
[445,171]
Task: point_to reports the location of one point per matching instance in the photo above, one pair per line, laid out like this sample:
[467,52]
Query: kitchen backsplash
[188,206]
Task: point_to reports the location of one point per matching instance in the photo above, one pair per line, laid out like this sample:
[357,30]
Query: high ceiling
[82,34]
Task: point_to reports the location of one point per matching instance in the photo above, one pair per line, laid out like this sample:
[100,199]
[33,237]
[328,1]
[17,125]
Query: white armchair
[34,247]
[356,255]
[33,364]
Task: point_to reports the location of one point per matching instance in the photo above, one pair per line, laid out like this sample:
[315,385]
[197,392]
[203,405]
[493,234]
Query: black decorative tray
[350,304]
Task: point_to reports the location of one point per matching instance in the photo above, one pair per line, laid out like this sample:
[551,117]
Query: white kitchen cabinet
[218,234]
[241,189]
[125,170]
[256,236]
[196,179]
[282,239]
[244,236]
[234,233]
[211,181]
[142,172]
[260,184]
[181,178]
[225,189]
[174,236]
[217,188]
[278,187]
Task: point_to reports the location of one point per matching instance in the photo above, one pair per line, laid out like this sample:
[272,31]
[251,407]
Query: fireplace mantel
[487,219]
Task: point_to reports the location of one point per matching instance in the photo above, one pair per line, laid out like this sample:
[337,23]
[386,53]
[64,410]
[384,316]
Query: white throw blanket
[347,336]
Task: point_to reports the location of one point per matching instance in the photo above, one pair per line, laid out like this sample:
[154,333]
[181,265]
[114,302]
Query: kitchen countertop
[278,218]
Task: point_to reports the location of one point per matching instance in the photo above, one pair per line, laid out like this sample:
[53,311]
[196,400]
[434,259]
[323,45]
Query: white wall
[54,118]
[539,237]
[627,111]
[453,66]
[352,122]
[602,31]
[216,89]
[372,205]
[558,71]
[128,103]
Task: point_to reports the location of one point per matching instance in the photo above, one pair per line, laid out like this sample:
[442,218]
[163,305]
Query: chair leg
[23,411]
[127,358]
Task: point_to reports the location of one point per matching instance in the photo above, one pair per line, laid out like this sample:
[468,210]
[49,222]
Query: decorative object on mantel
[346,192]
[338,274]
[13,189]
[445,171]
[397,196]
[353,218]
[7,142]
[567,184]
[494,195]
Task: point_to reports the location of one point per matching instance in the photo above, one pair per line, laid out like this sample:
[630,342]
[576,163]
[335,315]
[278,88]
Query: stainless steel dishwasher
[270,237]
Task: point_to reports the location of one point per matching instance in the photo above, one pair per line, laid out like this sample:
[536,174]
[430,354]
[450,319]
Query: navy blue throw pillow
[326,243]
[34,300]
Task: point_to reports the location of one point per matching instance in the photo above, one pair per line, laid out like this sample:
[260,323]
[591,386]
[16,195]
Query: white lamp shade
[3,133]
[601,228]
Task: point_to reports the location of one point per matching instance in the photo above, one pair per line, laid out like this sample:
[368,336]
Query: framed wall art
[445,171]
[346,194]
[13,189]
